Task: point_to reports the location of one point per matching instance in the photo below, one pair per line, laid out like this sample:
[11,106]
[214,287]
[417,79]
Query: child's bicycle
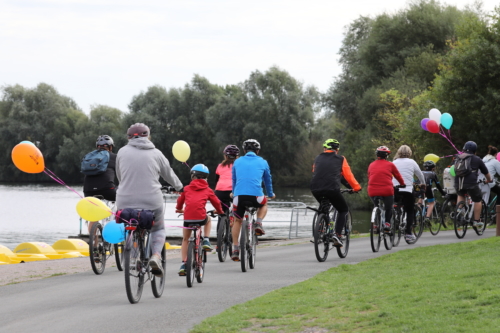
[136,263]
[224,236]
[196,256]
[99,249]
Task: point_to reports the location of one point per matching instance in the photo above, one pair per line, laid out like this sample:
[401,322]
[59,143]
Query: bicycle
[248,238]
[377,229]
[434,222]
[196,257]
[491,209]
[400,222]
[136,263]
[448,210]
[464,217]
[324,226]
[224,236]
[99,249]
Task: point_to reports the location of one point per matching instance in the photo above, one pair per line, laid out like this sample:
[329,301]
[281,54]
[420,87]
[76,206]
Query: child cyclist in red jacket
[195,196]
[380,173]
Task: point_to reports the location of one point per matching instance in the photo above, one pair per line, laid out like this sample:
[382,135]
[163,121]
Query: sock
[259,220]
[207,238]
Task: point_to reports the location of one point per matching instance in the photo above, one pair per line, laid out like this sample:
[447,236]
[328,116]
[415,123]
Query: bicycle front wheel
[398,220]
[244,246]
[435,219]
[346,236]
[483,218]
[158,283]
[222,245]
[252,242]
[191,264]
[375,232]
[119,253]
[97,249]
[134,270]
[321,237]
[460,222]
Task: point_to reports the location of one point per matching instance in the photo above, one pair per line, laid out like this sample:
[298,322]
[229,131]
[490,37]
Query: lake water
[47,213]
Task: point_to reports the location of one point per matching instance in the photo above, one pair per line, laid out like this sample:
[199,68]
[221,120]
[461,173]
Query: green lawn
[443,288]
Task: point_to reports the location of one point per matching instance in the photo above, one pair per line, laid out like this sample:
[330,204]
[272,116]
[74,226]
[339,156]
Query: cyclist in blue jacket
[248,173]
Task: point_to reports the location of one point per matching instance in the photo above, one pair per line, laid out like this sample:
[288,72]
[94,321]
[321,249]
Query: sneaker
[427,220]
[336,241]
[182,270]
[236,255]
[259,230]
[206,245]
[477,224]
[387,227]
[155,264]
[410,238]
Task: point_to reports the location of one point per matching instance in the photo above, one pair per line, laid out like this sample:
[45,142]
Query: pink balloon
[423,123]
[432,126]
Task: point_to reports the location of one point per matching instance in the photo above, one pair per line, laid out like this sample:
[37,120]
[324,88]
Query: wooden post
[498,220]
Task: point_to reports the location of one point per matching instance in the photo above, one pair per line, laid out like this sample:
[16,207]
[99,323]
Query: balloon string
[187,165]
[442,133]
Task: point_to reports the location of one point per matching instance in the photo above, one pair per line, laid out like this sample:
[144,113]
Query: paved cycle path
[86,302]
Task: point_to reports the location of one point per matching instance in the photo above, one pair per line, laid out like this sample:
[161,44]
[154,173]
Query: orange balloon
[28,158]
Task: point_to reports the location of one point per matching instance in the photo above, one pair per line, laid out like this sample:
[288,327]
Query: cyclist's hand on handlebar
[180,211]
[273,197]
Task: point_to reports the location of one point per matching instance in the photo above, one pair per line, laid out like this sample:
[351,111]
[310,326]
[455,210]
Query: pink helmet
[137,130]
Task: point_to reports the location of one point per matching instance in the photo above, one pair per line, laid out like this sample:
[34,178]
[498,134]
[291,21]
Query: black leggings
[409,206]
[337,200]
[388,203]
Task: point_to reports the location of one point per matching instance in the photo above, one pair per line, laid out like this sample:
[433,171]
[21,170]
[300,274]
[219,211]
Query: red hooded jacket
[195,196]
[380,173]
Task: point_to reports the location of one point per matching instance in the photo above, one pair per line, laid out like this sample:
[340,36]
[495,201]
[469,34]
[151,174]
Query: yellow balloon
[431,157]
[181,151]
[92,209]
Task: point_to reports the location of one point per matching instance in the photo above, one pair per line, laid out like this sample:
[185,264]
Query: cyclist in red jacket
[195,196]
[380,173]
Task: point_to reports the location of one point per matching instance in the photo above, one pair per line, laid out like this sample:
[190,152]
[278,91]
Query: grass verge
[443,288]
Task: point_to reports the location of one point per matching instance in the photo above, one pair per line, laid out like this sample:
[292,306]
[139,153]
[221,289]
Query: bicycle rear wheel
[435,219]
[460,222]
[398,220]
[222,239]
[346,236]
[97,249]
[134,270]
[375,232]
[252,242]
[158,283]
[244,246]
[483,218]
[448,212]
[191,264]
[119,253]
[321,237]
[389,237]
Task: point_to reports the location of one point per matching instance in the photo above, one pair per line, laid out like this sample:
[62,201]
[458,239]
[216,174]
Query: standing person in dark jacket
[380,174]
[329,170]
[468,184]
[103,184]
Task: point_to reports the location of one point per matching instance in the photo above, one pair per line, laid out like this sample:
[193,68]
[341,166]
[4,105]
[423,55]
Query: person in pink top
[223,176]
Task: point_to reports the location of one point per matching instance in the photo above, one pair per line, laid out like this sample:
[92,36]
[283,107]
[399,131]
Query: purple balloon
[423,123]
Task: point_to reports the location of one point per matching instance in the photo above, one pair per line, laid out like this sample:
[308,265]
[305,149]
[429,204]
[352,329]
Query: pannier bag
[146,218]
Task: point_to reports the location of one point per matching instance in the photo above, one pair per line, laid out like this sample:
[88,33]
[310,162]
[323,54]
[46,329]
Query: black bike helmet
[138,130]
[251,145]
[429,165]
[104,140]
[470,147]
[231,151]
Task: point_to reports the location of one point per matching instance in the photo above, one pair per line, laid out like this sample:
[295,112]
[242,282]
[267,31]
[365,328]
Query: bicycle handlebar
[213,213]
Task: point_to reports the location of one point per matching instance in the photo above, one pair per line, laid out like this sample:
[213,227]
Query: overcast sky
[107,51]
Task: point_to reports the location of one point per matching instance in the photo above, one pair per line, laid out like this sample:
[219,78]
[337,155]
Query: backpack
[462,165]
[95,162]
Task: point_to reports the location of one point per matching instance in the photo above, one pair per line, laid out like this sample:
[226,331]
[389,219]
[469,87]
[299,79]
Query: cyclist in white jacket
[493,166]
[408,168]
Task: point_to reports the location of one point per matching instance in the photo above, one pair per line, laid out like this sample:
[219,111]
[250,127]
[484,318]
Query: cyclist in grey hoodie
[139,166]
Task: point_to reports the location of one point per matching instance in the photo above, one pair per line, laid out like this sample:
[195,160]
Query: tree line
[395,67]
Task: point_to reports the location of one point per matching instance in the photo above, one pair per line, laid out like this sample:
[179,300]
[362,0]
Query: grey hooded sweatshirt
[139,166]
